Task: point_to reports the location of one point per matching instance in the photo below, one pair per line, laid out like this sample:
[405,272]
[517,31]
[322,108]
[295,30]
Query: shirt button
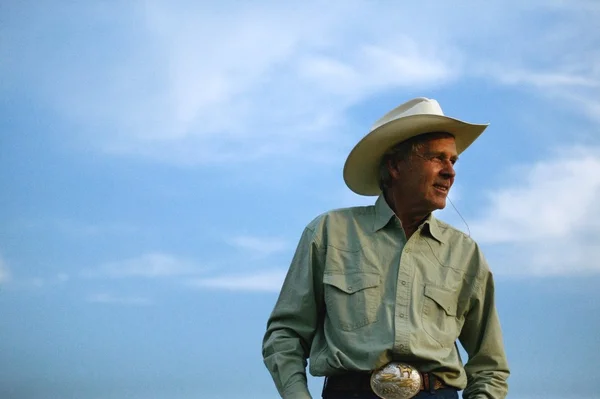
[401,315]
[349,288]
[407,250]
[403,282]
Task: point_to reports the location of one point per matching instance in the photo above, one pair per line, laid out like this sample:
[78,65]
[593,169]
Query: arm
[294,320]
[481,336]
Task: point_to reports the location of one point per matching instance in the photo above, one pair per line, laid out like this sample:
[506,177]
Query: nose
[448,170]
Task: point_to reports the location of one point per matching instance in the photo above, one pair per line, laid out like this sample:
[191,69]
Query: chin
[434,203]
[437,205]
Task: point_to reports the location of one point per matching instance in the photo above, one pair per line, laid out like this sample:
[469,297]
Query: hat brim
[361,170]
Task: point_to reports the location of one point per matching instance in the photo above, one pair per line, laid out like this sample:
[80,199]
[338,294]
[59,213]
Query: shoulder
[469,249]
[453,235]
[340,223]
[341,215]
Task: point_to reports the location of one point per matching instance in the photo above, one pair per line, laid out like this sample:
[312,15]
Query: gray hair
[403,151]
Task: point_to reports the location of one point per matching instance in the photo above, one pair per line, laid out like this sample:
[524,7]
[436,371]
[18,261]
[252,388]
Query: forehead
[446,145]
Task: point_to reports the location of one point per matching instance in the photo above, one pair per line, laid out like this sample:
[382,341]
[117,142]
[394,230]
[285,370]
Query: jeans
[445,393]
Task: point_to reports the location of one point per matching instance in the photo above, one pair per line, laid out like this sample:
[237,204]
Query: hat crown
[416,106]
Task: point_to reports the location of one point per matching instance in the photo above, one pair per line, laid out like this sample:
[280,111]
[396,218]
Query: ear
[394,169]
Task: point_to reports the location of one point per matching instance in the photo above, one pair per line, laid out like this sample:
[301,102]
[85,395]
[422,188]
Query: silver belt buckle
[396,381]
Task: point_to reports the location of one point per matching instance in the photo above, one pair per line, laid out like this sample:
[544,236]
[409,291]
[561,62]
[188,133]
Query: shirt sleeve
[487,367]
[293,321]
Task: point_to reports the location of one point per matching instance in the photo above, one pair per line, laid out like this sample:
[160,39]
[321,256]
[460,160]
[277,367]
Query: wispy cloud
[5,275]
[106,298]
[558,61]
[547,80]
[77,228]
[575,91]
[19,282]
[547,221]
[270,85]
[150,265]
[262,281]
[41,282]
[33,283]
[189,91]
[259,245]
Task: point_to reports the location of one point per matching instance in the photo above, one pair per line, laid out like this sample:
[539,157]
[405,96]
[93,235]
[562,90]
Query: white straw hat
[414,117]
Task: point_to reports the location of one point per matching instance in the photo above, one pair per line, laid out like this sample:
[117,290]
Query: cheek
[425,181]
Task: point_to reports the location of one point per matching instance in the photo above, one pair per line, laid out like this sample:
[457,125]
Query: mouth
[442,188]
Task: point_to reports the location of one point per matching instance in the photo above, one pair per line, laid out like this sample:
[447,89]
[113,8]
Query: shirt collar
[431,224]
[383,214]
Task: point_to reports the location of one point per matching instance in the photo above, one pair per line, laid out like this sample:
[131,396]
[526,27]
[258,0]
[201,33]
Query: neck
[410,217]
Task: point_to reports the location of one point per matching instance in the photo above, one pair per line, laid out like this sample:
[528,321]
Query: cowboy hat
[414,117]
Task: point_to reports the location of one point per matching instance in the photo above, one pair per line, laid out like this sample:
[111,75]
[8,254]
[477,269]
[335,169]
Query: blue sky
[160,159]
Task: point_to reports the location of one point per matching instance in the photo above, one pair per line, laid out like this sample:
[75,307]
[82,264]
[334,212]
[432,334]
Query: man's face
[424,180]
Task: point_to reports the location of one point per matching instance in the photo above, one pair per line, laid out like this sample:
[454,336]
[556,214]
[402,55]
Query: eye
[441,159]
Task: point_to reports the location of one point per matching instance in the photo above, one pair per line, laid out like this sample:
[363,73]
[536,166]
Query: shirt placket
[403,297]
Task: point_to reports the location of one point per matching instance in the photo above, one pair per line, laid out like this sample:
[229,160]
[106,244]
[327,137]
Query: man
[377,297]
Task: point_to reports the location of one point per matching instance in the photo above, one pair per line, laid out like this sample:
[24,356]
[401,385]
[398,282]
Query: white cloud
[576,91]
[554,55]
[372,68]
[42,282]
[547,221]
[191,91]
[191,83]
[263,281]
[78,228]
[36,282]
[150,265]
[259,245]
[546,79]
[106,298]
[5,275]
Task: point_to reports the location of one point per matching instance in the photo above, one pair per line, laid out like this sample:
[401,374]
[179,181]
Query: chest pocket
[439,315]
[351,299]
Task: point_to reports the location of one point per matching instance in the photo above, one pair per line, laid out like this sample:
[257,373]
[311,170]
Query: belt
[361,383]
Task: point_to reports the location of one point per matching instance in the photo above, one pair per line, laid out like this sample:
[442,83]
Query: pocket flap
[352,282]
[444,298]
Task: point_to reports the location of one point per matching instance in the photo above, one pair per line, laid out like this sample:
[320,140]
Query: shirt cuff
[297,390]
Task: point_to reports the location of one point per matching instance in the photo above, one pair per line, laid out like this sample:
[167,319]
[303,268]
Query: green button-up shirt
[358,295]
